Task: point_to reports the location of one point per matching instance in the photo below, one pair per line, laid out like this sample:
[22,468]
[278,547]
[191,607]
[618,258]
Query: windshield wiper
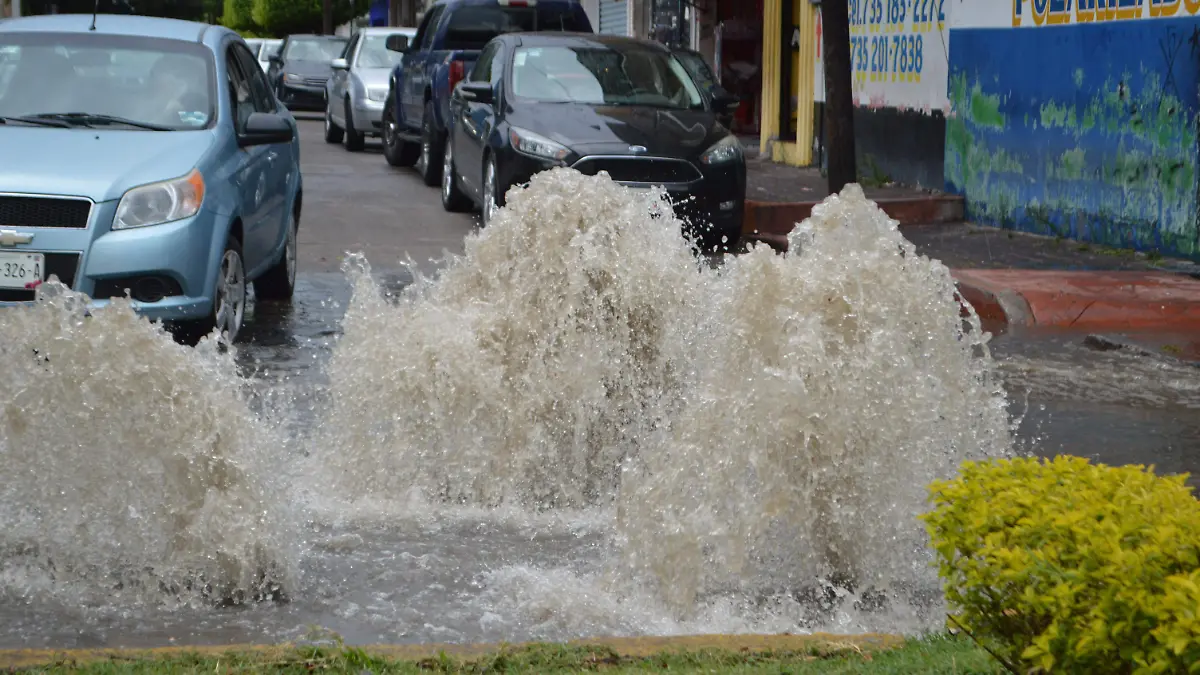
[89,119]
[35,120]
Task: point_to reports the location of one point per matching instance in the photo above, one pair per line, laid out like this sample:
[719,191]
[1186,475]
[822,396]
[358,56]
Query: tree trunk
[326,17]
[839,97]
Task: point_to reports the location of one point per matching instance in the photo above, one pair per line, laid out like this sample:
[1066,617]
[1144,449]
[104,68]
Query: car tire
[333,133]
[354,141]
[231,289]
[431,147]
[453,199]
[278,284]
[492,196]
[396,151]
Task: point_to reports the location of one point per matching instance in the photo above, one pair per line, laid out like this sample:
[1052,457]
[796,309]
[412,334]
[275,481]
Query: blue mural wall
[1084,130]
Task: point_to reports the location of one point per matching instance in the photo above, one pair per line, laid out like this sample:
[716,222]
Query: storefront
[791,41]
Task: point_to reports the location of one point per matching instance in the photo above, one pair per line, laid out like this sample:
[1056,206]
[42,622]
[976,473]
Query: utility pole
[839,96]
[327,17]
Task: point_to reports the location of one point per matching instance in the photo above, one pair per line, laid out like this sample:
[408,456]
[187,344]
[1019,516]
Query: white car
[265,50]
[262,48]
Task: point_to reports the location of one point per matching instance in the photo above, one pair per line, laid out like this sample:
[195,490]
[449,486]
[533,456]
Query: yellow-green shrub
[1072,567]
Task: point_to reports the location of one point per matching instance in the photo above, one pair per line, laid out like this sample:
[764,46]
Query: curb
[630,647]
[770,222]
[1096,300]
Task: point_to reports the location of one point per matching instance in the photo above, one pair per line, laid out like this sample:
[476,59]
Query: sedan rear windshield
[104,79]
[319,50]
[472,26]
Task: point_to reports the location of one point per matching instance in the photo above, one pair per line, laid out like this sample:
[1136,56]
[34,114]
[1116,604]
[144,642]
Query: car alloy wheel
[231,296]
[489,193]
[448,172]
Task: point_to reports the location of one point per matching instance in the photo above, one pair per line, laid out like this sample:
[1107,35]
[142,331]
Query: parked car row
[486,93]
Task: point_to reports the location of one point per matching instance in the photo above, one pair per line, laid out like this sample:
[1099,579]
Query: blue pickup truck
[442,54]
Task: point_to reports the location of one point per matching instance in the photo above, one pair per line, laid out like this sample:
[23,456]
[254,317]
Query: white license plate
[19,269]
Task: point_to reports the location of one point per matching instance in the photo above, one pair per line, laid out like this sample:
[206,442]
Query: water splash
[531,366]
[131,465]
[761,428]
[834,385]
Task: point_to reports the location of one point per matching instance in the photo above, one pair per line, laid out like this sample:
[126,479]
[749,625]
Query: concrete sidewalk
[778,196]
[1017,279]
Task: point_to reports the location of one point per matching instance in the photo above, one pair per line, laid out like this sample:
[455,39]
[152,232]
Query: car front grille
[29,211]
[61,265]
[315,81]
[654,170]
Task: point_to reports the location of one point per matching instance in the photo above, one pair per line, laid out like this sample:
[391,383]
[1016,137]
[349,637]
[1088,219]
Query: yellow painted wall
[798,153]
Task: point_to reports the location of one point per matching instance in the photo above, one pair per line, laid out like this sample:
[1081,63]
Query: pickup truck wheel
[354,139]
[396,150]
[431,149]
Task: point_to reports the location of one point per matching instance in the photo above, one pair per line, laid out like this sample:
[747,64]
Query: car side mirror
[340,64]
[725,102]
[396,43]
[265,129]
[479,92]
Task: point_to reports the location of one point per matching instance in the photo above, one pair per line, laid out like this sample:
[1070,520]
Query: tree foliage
[284,17]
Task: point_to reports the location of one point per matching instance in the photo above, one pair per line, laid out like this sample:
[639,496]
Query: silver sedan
[356,92]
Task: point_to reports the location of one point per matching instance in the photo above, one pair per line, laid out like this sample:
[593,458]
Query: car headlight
[377,95]
[723,151]
[158,203]
[292,77]
[535,145]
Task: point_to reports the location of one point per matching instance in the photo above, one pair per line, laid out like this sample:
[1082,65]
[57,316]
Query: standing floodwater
[575,428]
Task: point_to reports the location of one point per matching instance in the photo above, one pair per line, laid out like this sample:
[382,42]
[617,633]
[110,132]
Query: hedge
[1065,566]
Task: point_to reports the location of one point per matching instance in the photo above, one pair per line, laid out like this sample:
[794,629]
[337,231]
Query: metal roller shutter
[614,17]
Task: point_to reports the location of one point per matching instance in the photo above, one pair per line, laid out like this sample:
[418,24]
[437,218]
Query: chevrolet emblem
[10,238]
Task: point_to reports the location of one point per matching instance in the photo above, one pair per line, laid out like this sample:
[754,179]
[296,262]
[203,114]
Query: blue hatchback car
[147,157]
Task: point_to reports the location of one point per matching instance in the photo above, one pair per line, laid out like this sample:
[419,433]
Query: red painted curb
[770,222]
[1096,300]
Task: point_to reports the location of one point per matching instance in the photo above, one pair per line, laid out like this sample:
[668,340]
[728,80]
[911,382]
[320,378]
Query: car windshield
[322,50]
[626,75]
[115,81]
[374,53]
[698,69]
[473,26]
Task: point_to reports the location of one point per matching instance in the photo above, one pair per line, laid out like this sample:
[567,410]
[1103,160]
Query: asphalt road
[355,201]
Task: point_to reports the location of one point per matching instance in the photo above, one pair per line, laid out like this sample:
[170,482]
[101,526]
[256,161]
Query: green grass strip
[927,656]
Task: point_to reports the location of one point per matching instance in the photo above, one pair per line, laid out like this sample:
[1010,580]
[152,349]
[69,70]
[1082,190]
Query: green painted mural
[1101,149]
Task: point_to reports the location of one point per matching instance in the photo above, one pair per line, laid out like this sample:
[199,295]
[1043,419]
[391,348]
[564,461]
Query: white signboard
[898,53]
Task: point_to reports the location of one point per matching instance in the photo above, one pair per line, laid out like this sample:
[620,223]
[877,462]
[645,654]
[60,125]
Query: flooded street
[572,431]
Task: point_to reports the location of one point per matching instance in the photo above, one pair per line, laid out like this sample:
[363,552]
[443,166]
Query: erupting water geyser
[760,428]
